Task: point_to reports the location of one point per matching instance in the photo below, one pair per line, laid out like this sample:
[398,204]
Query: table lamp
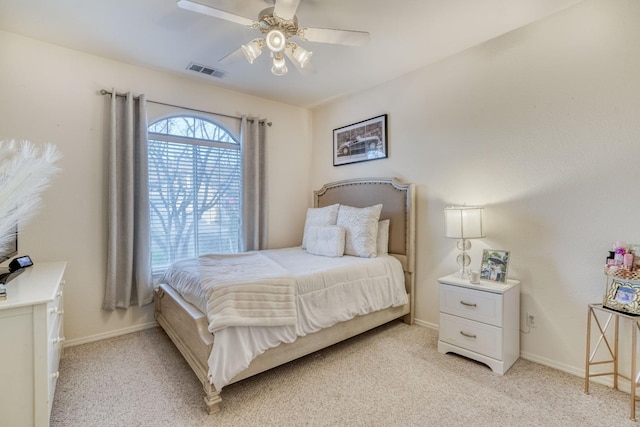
[463,223]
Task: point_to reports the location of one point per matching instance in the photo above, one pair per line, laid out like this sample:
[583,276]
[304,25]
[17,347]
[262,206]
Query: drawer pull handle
[55,375]
[56,311]
[467,335]
[59,294]
[469,304]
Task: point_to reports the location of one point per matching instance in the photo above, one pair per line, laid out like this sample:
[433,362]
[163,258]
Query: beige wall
[50,94]
[541,126]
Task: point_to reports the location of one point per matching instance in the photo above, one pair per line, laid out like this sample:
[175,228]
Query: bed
[189,328]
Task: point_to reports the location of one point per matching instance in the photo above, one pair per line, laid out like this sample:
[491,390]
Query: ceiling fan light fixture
[302,55]
[252,50]
[276,40]
[278,24]
[279,65]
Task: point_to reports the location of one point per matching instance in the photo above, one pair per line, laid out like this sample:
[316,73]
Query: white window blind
[194,189]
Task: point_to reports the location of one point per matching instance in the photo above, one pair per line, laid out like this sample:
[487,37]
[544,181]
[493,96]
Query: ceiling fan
[278,25]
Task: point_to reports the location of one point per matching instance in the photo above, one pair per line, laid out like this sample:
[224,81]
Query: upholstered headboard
[398,205]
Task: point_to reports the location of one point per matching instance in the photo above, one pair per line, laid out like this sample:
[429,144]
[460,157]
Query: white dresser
[31,336]
[481,322]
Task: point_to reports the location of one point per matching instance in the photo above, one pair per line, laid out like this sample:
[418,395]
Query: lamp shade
[276,40]
[301,55]
[279,66]
[252,50]
[463,222]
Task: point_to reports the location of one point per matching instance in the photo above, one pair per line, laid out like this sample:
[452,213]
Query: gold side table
[612,349]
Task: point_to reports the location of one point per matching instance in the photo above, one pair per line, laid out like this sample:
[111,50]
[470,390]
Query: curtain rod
[261,121]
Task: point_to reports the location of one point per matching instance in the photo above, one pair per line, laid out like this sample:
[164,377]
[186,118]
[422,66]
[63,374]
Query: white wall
[50,94]
[542,127]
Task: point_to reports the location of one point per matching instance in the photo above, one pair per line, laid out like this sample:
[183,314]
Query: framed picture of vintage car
[359,142]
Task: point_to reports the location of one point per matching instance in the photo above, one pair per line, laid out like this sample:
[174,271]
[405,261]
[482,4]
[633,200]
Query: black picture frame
[360,142]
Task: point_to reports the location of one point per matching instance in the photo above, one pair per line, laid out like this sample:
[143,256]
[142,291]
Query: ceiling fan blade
[234,56]
[327,35]
[286,9]
[216,13]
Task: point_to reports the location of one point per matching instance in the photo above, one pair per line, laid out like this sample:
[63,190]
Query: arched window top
[192,127]
[195,189]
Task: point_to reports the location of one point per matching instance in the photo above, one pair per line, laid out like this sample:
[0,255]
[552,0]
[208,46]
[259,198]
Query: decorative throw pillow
[383,237]
[327,215]
[361,225]
[326,241]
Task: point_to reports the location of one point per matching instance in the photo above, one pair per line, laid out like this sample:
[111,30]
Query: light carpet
[391,376]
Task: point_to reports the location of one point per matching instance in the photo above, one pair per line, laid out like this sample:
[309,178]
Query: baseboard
[425,324]
[606,380]
[552,364]
[110,334]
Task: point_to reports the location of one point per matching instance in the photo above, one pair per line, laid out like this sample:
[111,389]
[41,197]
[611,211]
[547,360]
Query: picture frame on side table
[359,142]
[495,265]
[622,295]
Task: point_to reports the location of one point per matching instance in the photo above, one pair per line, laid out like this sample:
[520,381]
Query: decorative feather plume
[25,171]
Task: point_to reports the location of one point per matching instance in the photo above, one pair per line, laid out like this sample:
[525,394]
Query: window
[194,189]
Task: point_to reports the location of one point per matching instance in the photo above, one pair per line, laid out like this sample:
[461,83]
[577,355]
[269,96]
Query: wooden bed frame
[186,326]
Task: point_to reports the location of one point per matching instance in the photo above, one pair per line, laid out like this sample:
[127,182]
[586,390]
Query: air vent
[203,69]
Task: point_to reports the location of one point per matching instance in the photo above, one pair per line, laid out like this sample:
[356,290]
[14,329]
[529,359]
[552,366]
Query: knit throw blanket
[247,289]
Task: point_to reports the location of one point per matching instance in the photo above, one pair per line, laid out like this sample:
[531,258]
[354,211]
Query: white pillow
[319,217]
[383,237]
[326,241]
[361,225]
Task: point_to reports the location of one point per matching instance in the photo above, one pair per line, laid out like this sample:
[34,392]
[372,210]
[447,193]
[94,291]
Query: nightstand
[480,321]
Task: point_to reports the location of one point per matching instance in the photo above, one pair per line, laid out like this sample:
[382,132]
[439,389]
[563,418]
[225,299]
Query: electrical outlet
[531,319]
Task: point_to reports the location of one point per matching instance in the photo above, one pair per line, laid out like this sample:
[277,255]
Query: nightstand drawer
[474,336]
[485,307]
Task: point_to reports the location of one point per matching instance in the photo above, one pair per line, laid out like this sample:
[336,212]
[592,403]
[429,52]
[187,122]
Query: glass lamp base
[463,259]
[464,273]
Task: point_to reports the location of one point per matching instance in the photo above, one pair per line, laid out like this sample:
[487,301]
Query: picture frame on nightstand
[495,265]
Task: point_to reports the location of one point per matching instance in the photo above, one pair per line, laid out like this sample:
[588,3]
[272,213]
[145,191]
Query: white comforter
[248,289]
[327,291]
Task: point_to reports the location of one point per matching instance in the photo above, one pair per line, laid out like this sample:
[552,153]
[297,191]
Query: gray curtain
[129,278]
[254,186]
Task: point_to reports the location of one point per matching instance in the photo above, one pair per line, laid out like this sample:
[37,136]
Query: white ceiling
[405,35]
